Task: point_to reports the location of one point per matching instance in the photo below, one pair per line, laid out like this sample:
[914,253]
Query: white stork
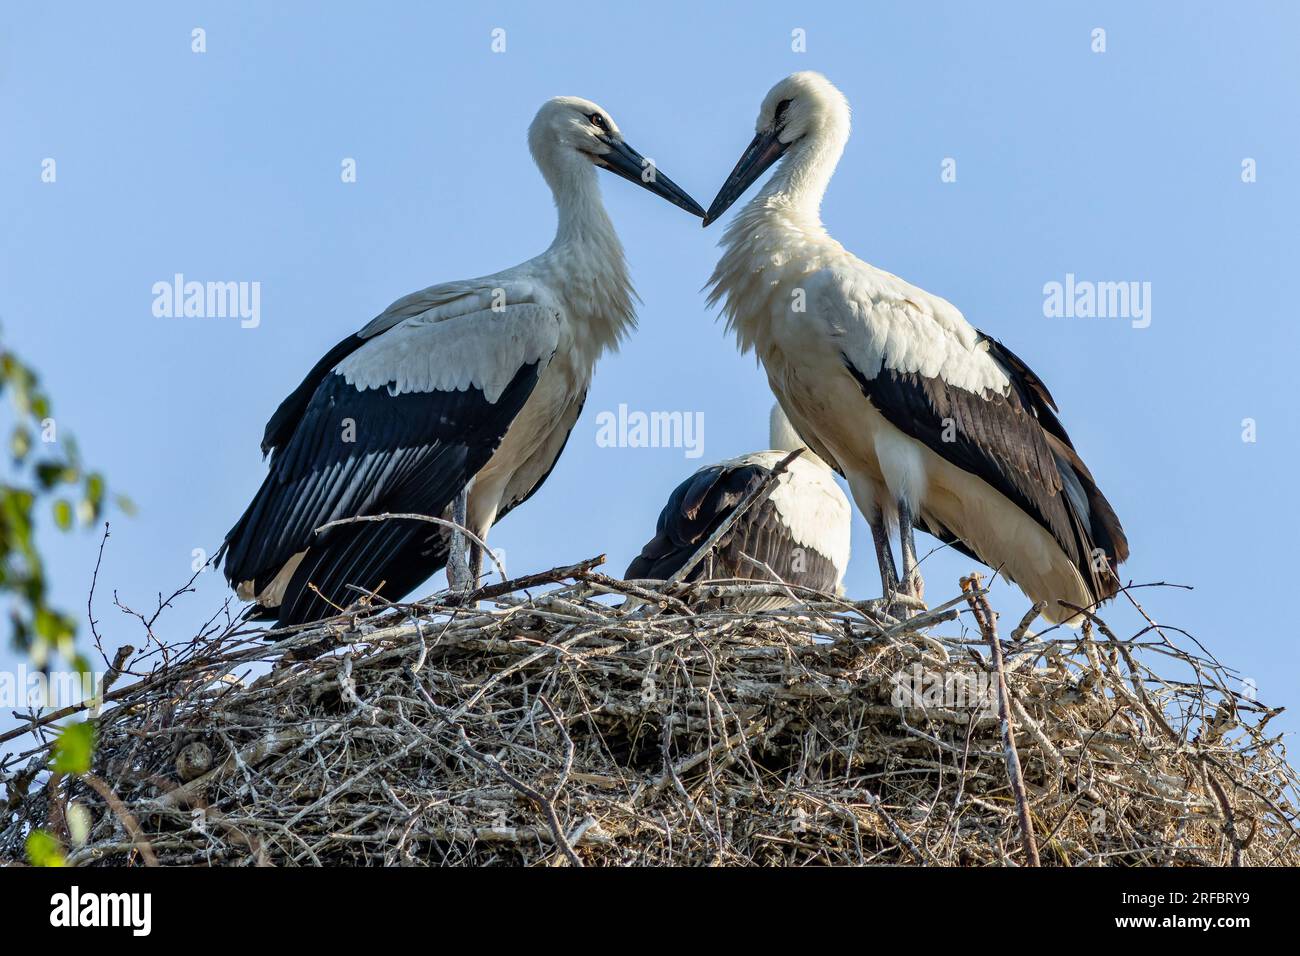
[934,424]
[799,535]
[470,385]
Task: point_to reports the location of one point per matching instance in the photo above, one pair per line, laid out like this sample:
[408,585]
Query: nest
[544,723]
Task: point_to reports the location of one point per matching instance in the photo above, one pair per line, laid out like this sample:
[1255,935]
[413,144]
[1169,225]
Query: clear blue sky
[1116,166]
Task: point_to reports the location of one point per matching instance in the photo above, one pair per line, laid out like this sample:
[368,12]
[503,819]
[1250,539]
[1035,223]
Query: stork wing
[945,384]
[436,303]
[694,509]
[702,502]
[398,425]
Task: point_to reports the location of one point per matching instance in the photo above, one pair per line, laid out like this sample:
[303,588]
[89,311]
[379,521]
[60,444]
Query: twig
[756,496]
[122,813]
[987,622]
[536,796]
[773,726]
[406,516]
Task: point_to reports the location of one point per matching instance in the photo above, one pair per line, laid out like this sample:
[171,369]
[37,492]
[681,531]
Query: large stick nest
[551,726]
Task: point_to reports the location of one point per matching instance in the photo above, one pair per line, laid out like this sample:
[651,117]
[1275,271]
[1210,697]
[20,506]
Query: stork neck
[581,212]
[585,262]
[800,181]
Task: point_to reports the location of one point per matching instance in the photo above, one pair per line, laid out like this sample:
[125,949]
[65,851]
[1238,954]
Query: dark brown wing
[699,505]
[1016,444]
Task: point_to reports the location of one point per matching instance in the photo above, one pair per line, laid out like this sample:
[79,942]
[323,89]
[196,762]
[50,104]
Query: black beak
[625,161]
[765,150]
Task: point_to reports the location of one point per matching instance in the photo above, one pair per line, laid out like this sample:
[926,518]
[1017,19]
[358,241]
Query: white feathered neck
[782,223]
[585,263]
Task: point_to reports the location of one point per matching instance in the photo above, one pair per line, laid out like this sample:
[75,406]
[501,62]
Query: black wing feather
[412,452]
[285,419]
[694,511]
[1017,445]
[1103,525]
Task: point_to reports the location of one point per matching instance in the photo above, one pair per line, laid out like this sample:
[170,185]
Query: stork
[799,535]
[935,424]
[463,392]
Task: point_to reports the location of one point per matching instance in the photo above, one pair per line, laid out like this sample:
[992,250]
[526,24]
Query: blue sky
[225,166]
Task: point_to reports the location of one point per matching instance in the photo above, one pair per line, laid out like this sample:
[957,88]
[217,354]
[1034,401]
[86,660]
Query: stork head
[802,113]
[570,133]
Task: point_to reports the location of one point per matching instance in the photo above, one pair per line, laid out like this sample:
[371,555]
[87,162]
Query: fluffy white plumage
[451,352]
[809,310]
[564,308]
[477,380]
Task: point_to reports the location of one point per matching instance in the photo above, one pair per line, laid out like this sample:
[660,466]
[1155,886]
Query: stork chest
[804,362]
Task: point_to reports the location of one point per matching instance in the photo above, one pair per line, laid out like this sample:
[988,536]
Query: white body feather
[777,253]
[562,309]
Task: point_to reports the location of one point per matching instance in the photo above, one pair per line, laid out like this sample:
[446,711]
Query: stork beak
[625,161]
[762,152]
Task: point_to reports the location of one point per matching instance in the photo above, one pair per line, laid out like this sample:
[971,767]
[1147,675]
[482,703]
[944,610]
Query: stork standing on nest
[463,392]
[799,535]
[934,424]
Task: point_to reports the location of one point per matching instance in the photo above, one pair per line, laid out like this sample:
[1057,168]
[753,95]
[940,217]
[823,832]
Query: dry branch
[987,621]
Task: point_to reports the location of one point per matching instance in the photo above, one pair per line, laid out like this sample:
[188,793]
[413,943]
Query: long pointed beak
[625,161]
[762,152]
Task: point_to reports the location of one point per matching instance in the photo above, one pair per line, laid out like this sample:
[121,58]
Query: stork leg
[476,563]
[884,558]
[458,572]
[911,585]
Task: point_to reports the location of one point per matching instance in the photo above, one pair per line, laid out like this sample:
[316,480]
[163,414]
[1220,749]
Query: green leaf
[81,663]
[51,473]
[41,470]
[95,488]
[53,626]
[93,505]
[20,444]
[43,849]
[74,749]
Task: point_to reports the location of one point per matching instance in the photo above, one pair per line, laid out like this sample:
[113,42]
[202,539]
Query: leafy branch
[46,471]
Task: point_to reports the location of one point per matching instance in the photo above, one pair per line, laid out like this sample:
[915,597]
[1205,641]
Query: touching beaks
[762,152]
[625,161]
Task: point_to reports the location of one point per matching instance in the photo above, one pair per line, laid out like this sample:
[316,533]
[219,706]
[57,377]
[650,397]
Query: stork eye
[597,120]
[780,110]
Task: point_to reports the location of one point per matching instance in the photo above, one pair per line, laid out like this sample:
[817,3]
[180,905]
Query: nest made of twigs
[551,726]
